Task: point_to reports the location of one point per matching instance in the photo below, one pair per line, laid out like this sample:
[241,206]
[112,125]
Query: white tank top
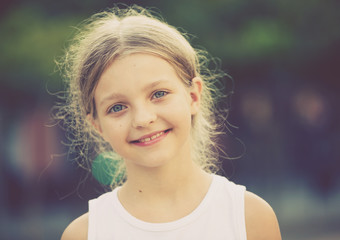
[219,216]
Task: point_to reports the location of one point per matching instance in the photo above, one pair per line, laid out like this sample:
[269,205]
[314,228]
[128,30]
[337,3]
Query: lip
[151,138]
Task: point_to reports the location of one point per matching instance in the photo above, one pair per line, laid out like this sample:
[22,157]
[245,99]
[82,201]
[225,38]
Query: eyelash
[111,109]
[164,94]
[122,107]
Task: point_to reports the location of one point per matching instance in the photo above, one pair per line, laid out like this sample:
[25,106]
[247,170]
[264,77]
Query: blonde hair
[121,31]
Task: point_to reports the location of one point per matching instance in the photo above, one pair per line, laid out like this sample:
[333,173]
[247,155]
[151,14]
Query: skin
[153,121]
[261,222]
[139,95]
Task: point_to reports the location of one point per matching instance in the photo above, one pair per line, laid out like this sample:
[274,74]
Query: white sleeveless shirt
[219,216]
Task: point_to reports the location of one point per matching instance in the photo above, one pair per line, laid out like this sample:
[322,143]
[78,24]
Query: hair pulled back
[121,31]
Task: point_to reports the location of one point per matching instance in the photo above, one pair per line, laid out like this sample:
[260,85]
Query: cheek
[178,114]
[112,131]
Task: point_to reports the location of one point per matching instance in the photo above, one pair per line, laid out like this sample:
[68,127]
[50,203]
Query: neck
[164,181]
[166,192]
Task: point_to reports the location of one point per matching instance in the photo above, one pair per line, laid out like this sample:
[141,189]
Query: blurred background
[284,57]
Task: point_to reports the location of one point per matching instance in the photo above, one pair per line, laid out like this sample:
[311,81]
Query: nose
[143,117]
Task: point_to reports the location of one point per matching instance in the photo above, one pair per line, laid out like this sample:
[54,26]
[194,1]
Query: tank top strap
[236,194]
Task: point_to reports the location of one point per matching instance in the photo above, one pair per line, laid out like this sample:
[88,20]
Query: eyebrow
[120,95]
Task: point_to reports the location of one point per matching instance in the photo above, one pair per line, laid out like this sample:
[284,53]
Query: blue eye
[117,108]
[159,94]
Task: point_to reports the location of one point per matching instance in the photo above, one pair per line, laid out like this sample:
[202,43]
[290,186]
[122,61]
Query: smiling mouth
[150,138]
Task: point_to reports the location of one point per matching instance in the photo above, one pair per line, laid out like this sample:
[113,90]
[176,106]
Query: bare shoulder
[77,230]
[261,221]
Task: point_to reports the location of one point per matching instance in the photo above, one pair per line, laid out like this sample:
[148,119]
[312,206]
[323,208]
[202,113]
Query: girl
[141,94]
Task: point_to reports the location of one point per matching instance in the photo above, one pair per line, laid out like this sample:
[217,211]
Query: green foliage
[30,42]
[240,32]
[243,32]
[105,169]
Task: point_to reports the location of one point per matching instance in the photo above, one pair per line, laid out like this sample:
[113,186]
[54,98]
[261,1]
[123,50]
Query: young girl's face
[144,110]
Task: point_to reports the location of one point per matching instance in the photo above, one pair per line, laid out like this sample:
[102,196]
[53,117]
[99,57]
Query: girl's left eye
[159,94]
[117,108]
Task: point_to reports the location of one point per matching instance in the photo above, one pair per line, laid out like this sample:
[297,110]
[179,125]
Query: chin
[150,163]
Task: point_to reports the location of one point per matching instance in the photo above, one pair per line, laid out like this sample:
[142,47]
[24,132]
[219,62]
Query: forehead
[144,63]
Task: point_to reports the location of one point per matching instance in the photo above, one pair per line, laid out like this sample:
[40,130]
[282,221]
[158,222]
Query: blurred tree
[30,42]
[241,33]
[275,45]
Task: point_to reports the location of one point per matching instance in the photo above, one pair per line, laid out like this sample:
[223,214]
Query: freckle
[140,191]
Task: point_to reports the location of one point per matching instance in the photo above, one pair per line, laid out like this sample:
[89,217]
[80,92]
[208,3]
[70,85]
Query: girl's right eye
[117,108]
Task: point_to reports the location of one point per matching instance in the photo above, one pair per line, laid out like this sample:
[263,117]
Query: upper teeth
[152,137]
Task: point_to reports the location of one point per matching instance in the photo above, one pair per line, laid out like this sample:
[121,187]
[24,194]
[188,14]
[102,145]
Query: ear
[195,94]
[95,123]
